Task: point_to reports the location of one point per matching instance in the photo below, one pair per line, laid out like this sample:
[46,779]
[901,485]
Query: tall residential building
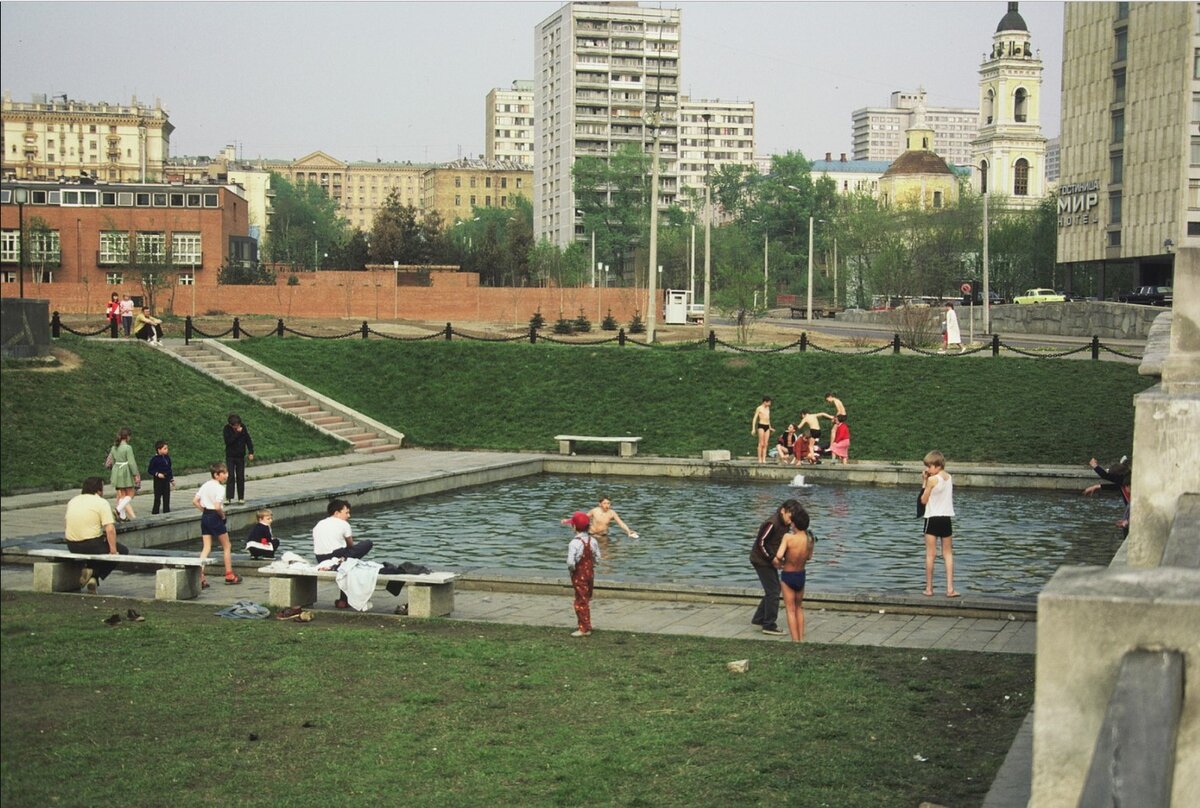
[879,131]
[456,188]
[712,133]
[602,73]
[67,138]
[1052,158]
[1009,155]
[1129,183]
[509,126]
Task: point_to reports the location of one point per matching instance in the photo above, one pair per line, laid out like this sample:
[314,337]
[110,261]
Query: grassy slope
[57,426]
[350,709]
[518,396]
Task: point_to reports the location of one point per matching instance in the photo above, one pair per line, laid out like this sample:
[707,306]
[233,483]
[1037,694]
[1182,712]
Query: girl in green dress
[125,476]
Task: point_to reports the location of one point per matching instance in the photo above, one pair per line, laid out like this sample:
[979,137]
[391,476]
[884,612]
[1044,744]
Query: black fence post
[995,344]
[1095,347]
[112,327]
[55,325]
[449,332]
[712,340]
[895,343]
[187,330]
[366,329]
[621,337]
[237,328]
[803,341]
[532,335]
[279,327]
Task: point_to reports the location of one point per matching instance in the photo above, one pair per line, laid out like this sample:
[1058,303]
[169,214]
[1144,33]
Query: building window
[8,276]
[1020,105]
[1118,127]
[458,182]
[472,200]
[10,246]
[40,275]
[1121,51]
[1114,238]
[518,182]
[1196,151]
[473,181]
[487,201]
[1117,167]
[1021,178]
[187,279]
[1122,11]
[504,182]
[458,200]
[114,278]
[185,249]
[151,248]
[44,247]
[937,199]
[114,247]
[1114,208]
[1118,86]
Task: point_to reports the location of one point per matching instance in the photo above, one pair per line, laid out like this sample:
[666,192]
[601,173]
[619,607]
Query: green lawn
[57,426]
[518,396]
[189,709]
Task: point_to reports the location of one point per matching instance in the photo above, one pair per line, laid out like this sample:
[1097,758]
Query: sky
[407,80]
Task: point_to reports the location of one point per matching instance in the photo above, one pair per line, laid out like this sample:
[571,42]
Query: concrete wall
[1105,320]
[24,328]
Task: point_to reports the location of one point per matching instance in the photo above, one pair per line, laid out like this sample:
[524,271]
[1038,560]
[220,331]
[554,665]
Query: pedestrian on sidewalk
[951,330]
[210,499]
[126,310]
[239,447]
[762,558]
[160,472]
[582,553]
[125,475]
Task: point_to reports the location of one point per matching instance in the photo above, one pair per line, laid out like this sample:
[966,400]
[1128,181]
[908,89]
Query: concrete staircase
[362,435]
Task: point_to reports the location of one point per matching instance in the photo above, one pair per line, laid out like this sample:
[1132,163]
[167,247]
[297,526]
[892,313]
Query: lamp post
[21,196]
[808,316]
[707,223]
[652,306]
[987,301]
[316,257]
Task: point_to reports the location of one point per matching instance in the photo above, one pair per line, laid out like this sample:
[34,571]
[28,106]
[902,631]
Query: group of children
[801,442]
[144,326]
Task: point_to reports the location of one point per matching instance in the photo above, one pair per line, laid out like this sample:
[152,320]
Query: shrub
[582,323]
[609,323]
[537,321]
[564,326]
[636,326]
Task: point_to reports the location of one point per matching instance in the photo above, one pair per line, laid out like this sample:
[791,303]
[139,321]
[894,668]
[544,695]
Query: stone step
[371,439]
[292,403]
[257,387]
[387,447]
[310,409]
[325,419]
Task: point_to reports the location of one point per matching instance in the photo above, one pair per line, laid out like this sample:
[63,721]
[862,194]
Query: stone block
[292,590]
[177,584]
[716,455]
[627,449]
[430,600]
[56,576]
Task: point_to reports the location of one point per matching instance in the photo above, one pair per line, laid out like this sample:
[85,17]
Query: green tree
[236,273]
[396,233]
[737,284]
[353,253]
[304,224]
[612,194]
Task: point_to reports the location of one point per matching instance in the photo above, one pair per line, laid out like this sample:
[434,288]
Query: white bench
[627,448]
[429,595]
[178,577]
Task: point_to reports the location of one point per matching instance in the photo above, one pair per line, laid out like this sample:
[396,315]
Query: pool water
[1006,542]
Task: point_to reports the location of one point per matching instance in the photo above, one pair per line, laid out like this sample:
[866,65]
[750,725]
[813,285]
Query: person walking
[762,558]
[239,447]
[950,327]
[125,475]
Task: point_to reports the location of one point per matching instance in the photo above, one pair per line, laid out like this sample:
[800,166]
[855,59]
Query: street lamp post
[21,196]
[651,283]
[808,317]
[766,258]
[707,224]
[987,302]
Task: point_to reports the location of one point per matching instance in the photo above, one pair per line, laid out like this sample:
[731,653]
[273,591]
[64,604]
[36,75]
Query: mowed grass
[189,708]
[56,425]
[681,401]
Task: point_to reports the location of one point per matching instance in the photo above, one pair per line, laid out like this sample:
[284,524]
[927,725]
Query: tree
[304,224]
[612,195]
[237,273]
[738,278]
[353,253]
[396,233]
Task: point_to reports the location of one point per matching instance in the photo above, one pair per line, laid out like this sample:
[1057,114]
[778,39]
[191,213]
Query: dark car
[1069,297]
[1148,296]
[993,299]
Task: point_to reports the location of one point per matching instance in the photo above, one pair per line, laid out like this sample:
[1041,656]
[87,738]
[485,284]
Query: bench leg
[171,583]
[430,600]
[628,449]
[292,590]
[57,576]
[566,447]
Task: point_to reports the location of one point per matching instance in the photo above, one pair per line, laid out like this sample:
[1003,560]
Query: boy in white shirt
[210,499]
[332,538]
[937,496]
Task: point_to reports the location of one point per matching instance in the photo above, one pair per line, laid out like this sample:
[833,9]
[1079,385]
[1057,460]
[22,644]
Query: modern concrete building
[1008,156]
[851,176]
[456,188]
[508,131]
[1129,184]
[1052,164]
[878,132]
[919,178]
[605,75]
[712,134]
[60,137]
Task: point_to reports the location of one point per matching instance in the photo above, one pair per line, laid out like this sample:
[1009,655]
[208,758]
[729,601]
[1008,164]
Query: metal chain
[224,333]
[70,330]
[319,336]
[866,352]
[1104,347]
[434,335]
[1057,355]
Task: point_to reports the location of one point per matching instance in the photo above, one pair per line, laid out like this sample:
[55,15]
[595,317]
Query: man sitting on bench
[332,539]
[91,530]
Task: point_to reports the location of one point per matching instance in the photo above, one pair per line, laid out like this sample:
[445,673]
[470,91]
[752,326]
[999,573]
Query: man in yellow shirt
[91,529]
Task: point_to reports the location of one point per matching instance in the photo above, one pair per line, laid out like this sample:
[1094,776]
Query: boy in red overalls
[582,553]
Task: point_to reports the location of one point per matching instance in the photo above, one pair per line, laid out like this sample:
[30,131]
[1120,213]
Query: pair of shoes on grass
[294,613]
[131,615]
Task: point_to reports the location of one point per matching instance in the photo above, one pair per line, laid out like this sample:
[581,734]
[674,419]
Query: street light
[707,116]
[21,196]
[651,308]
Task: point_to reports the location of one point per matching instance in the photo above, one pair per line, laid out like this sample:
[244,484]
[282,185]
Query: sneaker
[85,575]
[112,621]
[578,633]
[289,613]
[233,578]
[773,630]
[92,585]
[134,616]
[341,604]
[240,501]
[402,609]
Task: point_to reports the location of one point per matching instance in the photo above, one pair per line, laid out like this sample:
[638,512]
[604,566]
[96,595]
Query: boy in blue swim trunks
[793,554]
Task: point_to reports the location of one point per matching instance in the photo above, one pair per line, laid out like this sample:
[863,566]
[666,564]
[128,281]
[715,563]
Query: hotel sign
[1077,202]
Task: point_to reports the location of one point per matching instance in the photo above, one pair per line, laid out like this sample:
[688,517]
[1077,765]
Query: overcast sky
[407,81]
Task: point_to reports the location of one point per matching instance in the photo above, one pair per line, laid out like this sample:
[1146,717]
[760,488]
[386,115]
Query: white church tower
[1010,152]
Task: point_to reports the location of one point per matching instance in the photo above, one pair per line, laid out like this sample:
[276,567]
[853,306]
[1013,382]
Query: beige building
[509,128]
[878,132]
[455,189]
[60,137]
[226,169]
[919,178]
[1129,176]
[712,134]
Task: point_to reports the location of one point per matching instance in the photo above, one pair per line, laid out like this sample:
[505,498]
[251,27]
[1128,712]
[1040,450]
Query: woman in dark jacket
[762,555]
[239,447]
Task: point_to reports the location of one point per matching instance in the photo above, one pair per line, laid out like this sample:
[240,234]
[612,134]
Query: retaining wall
[1076,319]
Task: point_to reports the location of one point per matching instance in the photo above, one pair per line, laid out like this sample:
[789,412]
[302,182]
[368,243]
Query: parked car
[1071,297]
[993,299]
[1148,296]
[1039,296]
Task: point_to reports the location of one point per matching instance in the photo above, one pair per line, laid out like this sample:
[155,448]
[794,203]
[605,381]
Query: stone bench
[627,448]
[177,578]
[429,595]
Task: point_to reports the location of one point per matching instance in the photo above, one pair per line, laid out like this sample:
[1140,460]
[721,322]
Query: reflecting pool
[1006,542]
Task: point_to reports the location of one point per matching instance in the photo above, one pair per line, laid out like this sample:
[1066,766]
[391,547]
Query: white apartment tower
[1009,155]
[712,134]
[879,131]
[601,73]
[509,117]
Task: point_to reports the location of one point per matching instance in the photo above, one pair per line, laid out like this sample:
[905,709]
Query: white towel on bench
[357,579]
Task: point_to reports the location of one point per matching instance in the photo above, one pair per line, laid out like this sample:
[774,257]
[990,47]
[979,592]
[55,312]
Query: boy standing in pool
[937,496]
[582,553]
[794,553]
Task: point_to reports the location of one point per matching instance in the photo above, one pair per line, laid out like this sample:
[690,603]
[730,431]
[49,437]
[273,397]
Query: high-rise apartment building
[712,133]
[879,131]
[60,137]
[509,123]
[1129,182]
[603,74]
[1052,165]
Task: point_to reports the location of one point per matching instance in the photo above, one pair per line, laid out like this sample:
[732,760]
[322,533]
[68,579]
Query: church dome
[1012,21]
[917,162]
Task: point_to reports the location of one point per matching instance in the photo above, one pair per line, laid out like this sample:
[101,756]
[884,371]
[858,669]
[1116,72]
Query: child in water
[794,553]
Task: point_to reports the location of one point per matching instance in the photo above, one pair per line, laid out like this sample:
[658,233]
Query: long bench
[177,578]
[429,595]
[627,448]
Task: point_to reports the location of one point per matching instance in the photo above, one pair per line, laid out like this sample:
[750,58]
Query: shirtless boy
[838,407]
[602,516]
[794,553]
[811,420]
[760,424]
